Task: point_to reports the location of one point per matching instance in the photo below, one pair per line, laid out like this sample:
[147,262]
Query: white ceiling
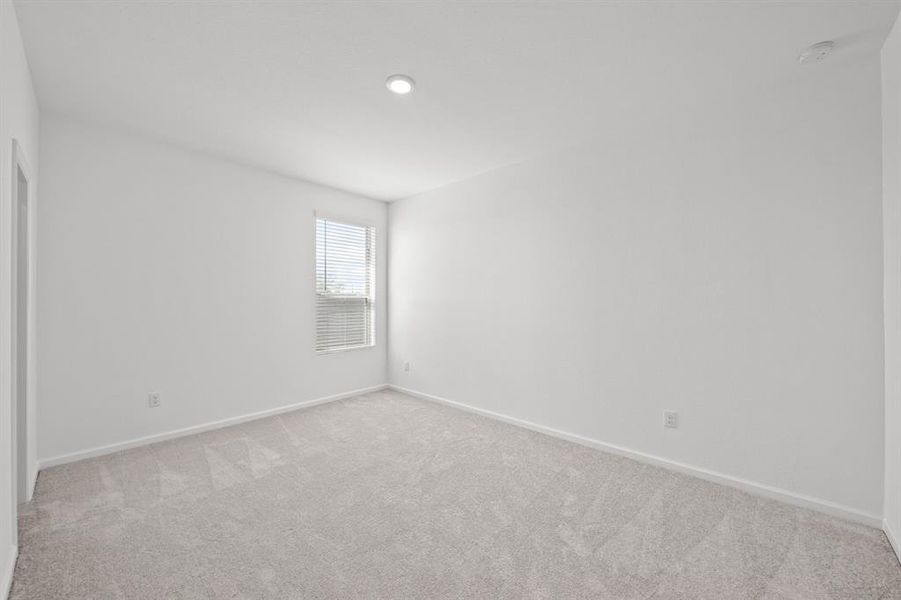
[298,87]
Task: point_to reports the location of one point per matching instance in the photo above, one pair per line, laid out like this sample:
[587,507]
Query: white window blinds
[345,286]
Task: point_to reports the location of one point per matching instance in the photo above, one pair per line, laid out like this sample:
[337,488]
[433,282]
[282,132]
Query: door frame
[24,474]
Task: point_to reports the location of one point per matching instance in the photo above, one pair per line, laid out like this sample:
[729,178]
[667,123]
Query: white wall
[891,215]
[726,265]
[167,271]
[19,121]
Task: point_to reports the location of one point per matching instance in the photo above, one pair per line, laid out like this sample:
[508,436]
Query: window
[345,286]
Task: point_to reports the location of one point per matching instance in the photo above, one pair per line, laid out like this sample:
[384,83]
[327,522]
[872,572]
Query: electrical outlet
[407,367]
[153,400]
[671,419]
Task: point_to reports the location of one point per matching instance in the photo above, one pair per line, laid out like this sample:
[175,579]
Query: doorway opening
[21,324]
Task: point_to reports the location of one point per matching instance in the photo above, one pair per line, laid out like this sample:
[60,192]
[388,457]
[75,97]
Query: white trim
[32,481]
[345,219]
[348,348]
[160,437]
[20,162]
[6,578]
[892,539]
[752,487]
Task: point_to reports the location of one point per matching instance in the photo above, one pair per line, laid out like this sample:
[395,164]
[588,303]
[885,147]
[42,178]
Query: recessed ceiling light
[816,53]
[400,84]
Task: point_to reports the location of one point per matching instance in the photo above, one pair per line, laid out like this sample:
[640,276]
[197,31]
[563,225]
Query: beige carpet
[386,496]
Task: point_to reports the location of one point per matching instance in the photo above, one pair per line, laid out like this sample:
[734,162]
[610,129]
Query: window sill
[347,349]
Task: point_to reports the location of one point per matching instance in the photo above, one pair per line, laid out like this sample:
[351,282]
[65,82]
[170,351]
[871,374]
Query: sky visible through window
[342,260]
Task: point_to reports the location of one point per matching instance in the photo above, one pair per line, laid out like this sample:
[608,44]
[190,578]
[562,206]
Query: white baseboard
[752,487]
[6,578]
[161,437]
[891,538]
[32,482]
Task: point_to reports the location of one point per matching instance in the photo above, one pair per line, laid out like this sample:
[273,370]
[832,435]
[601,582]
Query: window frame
[357,222]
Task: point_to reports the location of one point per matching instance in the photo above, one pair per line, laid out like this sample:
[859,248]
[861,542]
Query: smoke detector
[816,53]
